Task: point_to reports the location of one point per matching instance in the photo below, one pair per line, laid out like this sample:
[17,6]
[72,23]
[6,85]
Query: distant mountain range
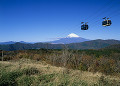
[10,42]
[13,42]
[72,41]
[71,38]
[94,44]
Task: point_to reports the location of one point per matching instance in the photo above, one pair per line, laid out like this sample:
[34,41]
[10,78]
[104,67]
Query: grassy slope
[43,74]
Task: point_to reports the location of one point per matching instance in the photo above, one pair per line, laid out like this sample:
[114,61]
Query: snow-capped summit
[72,35]
[71,38]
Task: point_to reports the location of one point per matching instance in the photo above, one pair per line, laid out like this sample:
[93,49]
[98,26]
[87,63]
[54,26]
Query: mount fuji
[71,38]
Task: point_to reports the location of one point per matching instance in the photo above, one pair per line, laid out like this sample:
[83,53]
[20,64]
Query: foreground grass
[31,73]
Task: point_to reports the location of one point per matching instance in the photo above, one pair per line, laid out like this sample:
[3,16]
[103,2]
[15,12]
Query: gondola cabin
[106,23]
[84,27]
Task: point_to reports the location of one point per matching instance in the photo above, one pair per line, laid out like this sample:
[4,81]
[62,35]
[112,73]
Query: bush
[83,67]
[46,78]
[31,71]
[80,83]
[9,78]
[106,82]
[25,81]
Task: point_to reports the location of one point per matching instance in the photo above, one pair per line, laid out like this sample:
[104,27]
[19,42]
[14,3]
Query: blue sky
[45,20]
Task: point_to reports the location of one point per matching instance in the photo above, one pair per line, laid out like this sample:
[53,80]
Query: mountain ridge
[68,40]
[13,42]
[93,44]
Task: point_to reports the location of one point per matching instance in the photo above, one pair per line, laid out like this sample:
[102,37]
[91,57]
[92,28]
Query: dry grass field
[27,72]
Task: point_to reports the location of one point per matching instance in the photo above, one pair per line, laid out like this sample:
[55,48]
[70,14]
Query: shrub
[46,78]
[25,81]
[83,67]
[31,71]
[80,83]
[9,78]
[106,82]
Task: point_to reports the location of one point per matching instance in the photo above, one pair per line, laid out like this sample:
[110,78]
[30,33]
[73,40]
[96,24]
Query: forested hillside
[116,46]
